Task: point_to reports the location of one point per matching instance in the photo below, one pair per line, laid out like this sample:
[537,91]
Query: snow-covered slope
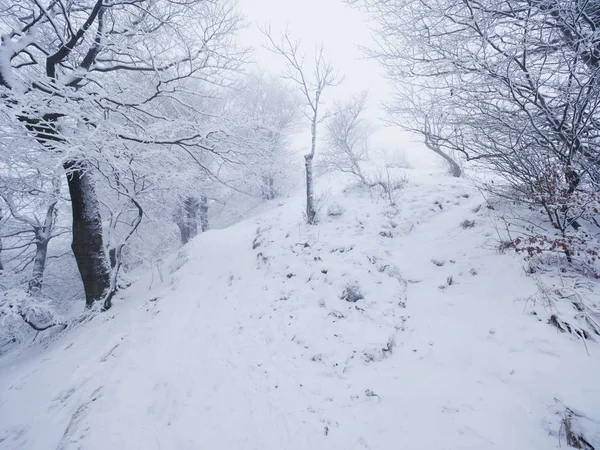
[244,342]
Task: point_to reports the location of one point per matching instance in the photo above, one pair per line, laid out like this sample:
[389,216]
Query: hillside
[247,340]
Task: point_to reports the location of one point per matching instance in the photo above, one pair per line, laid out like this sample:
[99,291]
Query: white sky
[343,30]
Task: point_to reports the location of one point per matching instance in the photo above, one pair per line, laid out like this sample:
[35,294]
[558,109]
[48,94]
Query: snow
[242,341]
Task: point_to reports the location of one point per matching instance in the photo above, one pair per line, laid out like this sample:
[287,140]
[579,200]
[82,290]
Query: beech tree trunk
[204,213]
[311,213]
[1,266]
[268,187]
[87,244]
[187,218]
[39,265]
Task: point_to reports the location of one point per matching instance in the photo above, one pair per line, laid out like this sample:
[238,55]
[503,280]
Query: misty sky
[343,30]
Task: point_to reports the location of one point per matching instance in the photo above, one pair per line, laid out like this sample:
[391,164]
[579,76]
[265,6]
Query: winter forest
[334,224]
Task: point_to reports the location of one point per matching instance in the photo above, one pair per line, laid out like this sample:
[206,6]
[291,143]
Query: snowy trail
[247,345]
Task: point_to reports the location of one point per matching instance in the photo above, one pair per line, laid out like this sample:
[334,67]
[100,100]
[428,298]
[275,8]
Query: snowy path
[248,345]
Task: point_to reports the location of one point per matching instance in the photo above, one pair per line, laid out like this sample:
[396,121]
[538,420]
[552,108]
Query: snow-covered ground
[243,341]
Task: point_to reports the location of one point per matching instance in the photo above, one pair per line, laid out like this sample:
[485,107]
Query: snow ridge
[381,327]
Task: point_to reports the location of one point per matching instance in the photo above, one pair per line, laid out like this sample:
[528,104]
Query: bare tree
[519,83]
[87,78]
[270,116]
[312,84]
[126,218]
[435,144]
[347,138]
[186,218]
[38,230]
[422,112]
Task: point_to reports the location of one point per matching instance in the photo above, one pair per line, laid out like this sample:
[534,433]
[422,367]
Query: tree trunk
[311,213]
[112,257]
[455,169]
[268,189]
[87,244]
[39,265]
[204,213]
[43,235]
[1,266]
[187,219]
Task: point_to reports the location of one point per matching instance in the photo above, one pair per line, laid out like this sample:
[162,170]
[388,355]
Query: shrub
[352,293]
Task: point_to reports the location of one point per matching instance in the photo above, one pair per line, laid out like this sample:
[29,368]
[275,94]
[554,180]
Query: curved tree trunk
[87,244]
[455,169]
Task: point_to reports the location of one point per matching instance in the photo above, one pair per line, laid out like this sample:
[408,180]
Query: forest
[140,140]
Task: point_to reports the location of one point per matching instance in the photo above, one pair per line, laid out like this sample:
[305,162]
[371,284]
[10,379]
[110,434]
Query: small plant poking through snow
[352,293]
[335,209]
[389,184]
[467,224]
[573,433]
[370,393]
[568,309]
[449,282]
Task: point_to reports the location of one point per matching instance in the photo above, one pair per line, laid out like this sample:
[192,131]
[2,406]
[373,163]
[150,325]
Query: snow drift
[382,327]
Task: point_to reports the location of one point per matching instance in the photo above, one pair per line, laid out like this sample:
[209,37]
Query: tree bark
[87,244]
[311,213]
[43,235]
[187,219]
[39,265]
[204,213]
[268,188]
[455,169]
[1,266]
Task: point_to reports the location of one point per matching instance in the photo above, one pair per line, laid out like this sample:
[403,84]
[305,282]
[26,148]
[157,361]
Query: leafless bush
[388,183]
[568,234]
